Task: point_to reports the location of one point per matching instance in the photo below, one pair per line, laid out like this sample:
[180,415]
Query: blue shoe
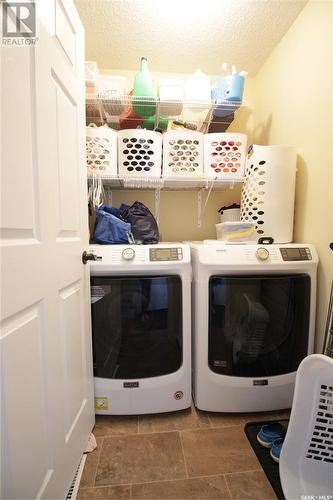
[276,449]
[269,433]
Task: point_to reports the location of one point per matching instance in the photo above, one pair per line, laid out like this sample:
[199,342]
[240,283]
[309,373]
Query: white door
[46,381]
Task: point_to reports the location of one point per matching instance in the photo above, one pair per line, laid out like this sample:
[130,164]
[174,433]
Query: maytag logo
[260,382]
[130,385]
[18,23]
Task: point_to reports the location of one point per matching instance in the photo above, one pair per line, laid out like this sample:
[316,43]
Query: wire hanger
[96,193]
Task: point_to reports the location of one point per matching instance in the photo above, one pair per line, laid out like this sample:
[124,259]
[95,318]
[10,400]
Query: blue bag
[108,228]
[111,210]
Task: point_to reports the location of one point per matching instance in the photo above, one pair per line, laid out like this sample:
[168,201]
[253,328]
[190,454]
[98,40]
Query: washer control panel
[160,254]
[291,254]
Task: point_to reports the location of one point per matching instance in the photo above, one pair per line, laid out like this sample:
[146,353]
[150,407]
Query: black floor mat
[270,467]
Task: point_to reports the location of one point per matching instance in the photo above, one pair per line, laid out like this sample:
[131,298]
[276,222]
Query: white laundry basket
[268,191]
[140,153]
[182,154]
[101,150]
[306,461]
[225,155]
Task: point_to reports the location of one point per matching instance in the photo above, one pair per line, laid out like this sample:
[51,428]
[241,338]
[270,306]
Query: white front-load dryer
[141,328]
[253,311]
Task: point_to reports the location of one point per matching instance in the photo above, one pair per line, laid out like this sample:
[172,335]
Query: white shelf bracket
[202,210]
[157,199]
[157,113]
[199,206]
[108,195]
[101,112]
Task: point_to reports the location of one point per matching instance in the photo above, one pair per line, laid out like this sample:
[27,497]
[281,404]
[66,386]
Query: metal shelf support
[199,207]
[157,200]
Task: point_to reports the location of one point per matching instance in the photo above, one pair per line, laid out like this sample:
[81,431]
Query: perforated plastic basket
[268,191]
[140,153]
[225,155]
[182,154]
[101,149]
[306,461]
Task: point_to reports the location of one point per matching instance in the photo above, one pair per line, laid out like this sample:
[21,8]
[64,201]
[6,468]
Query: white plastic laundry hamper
[182,154]
[268,191]
[306,461]
[225,155]
[101,150]
[140,153]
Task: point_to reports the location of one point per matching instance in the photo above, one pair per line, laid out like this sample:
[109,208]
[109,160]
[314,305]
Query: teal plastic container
[234,87]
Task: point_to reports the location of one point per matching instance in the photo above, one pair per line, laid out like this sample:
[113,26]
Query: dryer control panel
[291,254]
[160,254]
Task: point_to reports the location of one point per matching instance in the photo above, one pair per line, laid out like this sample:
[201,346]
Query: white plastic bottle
[197,87]
[197,99]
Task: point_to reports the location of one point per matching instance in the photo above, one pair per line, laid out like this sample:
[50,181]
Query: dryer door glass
[258,326]
[136,325]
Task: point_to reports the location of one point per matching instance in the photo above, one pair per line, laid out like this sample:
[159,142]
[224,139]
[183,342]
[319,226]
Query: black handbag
[143,223]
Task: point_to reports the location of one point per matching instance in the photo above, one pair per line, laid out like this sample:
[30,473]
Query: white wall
[293,105]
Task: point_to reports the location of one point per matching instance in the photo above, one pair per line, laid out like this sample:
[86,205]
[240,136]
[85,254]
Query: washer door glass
[136,326]
[258,326]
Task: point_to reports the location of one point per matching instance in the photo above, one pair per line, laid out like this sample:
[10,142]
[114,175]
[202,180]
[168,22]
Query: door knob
[90,256]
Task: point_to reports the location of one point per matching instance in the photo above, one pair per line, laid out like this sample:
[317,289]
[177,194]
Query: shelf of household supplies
[101,110]
[166,183]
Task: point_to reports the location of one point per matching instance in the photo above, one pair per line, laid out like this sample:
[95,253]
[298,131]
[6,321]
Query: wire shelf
[170,183]
[108,109]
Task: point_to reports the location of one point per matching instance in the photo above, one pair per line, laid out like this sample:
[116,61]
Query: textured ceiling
[181,35]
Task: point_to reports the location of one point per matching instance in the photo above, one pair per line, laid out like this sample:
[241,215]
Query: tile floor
[187,455]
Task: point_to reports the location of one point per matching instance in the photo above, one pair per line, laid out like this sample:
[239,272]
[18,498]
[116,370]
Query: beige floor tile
[110,425]
[225,419]
[250,486]
[175,421]
[283,414]
[140,458]
[217,451]
[268,415]
[230,419]
[206,488]
[105,493]
[90,467]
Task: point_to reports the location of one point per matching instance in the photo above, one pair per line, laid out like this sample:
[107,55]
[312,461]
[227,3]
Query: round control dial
[128,254]
[262,253]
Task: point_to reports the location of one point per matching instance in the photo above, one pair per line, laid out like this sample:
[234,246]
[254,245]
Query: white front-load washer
[253,311]
[141,327]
